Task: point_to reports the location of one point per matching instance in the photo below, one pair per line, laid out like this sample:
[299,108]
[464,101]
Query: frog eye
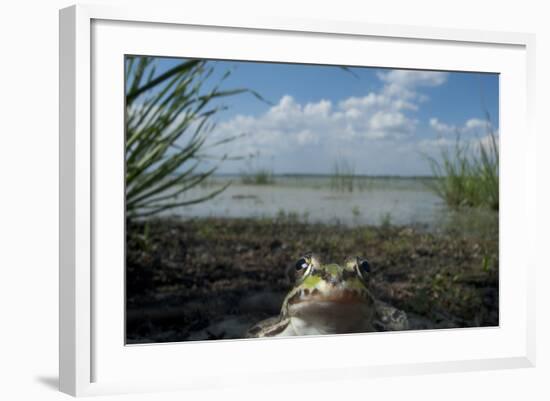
[363,268]
[301,264]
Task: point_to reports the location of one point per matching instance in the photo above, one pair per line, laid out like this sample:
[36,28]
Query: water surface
[372,201]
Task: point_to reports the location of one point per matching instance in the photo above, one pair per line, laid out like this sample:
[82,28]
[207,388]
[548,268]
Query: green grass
[466,175]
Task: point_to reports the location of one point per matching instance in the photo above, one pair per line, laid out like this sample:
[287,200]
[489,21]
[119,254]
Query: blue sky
[381,121]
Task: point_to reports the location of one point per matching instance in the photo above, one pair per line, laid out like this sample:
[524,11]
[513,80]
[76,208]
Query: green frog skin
[330,299]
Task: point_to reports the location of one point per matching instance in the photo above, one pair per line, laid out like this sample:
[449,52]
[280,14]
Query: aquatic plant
[255,174]
[168,125]
[258,177]
[343,176]
[467,174]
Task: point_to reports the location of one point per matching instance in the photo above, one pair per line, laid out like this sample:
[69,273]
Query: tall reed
[343,176]
[168,123]
[467,174]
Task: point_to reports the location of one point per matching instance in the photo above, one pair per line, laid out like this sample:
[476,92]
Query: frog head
[330,297]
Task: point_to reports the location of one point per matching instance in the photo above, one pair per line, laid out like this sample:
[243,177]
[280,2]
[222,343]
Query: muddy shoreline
[211,278]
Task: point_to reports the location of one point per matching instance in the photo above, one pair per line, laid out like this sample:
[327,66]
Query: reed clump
[169,133]
[343,176]
[258,177]
[467,173]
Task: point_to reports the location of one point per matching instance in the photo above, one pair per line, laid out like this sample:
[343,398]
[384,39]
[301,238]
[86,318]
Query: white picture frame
[93,357]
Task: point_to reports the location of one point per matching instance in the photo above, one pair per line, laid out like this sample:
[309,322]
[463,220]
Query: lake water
[373,201]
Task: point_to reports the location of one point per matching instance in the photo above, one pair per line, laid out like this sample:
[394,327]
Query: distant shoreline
[306,175]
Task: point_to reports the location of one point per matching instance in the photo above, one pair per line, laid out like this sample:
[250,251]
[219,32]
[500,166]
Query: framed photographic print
[238,192]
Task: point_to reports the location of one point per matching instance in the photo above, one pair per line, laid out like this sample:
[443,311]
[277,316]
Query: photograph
[272,199]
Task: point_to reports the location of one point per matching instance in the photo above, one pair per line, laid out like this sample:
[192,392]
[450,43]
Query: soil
[213,278]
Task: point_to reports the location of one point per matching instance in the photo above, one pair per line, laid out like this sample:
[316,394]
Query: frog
[330,299]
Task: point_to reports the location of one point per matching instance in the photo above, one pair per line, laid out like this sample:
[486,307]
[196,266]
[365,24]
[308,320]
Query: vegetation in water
[468,174]
[343,176]
[259,177]
[255,174]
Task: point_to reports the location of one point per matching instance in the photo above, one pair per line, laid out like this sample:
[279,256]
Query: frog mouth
[344,296]
[336,312]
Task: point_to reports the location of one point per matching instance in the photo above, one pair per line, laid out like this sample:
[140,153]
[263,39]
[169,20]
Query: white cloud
[476,124]
[404,84]
[377,115]
[306,136]
[288,123]
[383,124]
[310,137]
[433,147]
[474,133]
[442,128]
[326,131]
[472,126]
[430,145]
[413,78]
